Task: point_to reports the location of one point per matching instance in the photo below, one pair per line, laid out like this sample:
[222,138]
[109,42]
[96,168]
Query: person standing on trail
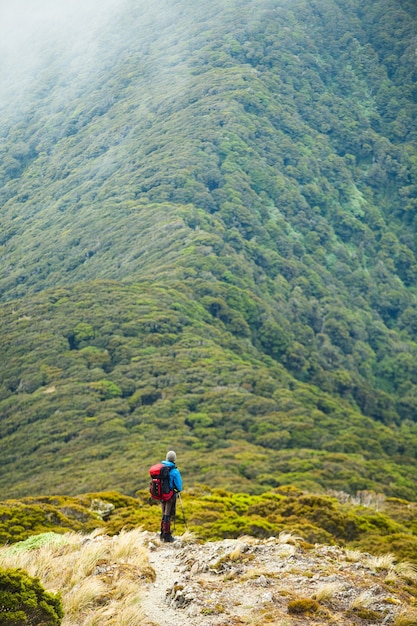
[169,506]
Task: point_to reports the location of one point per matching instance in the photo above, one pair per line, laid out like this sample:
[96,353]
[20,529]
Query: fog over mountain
[28,28]
[45,35]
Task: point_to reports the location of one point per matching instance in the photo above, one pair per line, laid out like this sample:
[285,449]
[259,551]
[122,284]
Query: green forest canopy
[208,242]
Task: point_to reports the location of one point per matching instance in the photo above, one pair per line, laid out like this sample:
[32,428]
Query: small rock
[193,610]
[262,581]
[267,597]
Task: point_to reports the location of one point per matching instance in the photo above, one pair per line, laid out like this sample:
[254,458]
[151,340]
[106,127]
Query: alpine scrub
[208,217]
[23,600]
[218,514]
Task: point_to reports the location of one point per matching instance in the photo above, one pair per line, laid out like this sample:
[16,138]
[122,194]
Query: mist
[40,34]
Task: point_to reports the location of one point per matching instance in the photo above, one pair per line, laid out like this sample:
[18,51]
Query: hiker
[169,506]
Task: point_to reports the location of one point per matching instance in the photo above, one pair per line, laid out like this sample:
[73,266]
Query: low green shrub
[303,605]
[24,601]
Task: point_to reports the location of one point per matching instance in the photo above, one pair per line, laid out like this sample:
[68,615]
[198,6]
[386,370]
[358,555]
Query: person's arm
[177,479]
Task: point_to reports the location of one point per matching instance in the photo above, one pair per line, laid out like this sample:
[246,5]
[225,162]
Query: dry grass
[383,562]
[286,537]
[327,591]
[124,586]
[402,571]
[46,562]
[362,601]
[391,577]
[406,571]
[405,617]
[353,556]
[266,618]
[98,577]
[248,540]
[188,537]
[89,593]
[117,614]
[128,546]
[86,559]
[236,554]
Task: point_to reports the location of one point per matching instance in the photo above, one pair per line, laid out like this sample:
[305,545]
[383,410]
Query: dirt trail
[242,581]
[164,559]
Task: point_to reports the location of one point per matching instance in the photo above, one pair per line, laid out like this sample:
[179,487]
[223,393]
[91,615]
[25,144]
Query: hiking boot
[168,538]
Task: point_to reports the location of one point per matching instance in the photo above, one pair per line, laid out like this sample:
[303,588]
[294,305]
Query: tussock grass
[248,539]
[405,617]
[301,606]
[45,564]
[88,593]
[264,618]
[52,564]
[98,577]
[391,577]
[115,613]
[235,554]
[382,562]
[362,601]
[87,559]
[327,591]
[128,546]
[124,586]
[406,570]
[402,571]
[288,538]
[188,537]
[354,556]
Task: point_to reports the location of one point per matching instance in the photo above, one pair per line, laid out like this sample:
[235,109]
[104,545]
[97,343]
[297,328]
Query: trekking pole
[183,513]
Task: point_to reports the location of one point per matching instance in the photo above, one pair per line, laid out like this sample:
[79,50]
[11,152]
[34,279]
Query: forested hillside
[208,242]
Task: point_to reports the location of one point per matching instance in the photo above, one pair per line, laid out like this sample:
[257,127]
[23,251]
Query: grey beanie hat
[171,456]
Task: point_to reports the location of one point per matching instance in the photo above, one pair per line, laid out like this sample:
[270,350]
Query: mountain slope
[100,378]
[242,178]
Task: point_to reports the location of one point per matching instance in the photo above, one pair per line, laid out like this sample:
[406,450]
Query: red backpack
[159,486]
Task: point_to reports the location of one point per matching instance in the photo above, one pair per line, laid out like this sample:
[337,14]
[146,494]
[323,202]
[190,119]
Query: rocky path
[185,592]
[163,558]
[279,580]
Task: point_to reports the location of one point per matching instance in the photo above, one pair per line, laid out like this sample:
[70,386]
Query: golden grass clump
[406,571]
[353,556]
[123,586]
[303,606]
[115,613]
[85,595]
[87,558]
[188,537]
[248,539]
[128,545]
[287,537]
[382,562]
[236,554]
[405,617]
[327,591]
[362,601]
[48,562]
[99,577]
